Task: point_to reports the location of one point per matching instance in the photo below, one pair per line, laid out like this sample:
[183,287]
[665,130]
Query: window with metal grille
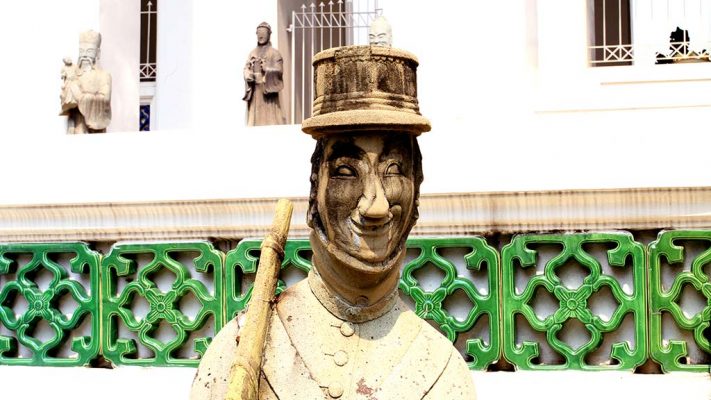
[316,27]
[148,66]
[611,33]
[149,24]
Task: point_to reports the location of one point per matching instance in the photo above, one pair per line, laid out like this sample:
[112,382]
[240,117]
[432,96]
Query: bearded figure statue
[86,89]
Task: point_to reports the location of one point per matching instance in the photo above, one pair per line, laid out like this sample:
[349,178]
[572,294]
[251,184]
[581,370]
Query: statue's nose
[373,204]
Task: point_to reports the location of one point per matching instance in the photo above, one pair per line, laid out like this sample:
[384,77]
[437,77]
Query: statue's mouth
[377,228]
[85,61]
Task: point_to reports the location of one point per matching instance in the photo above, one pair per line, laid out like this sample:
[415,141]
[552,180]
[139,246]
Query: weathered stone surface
[365,88]
[263,81]
[86,89]
[343,332]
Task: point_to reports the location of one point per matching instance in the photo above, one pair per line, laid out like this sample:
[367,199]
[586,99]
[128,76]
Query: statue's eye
[393,169]
[344,171]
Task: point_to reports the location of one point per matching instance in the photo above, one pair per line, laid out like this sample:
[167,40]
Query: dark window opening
[611,42]
[149,33]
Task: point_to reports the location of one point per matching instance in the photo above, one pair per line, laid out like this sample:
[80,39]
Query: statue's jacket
[312,354]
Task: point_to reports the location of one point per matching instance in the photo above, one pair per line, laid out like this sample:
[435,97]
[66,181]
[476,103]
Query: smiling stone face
[366,193]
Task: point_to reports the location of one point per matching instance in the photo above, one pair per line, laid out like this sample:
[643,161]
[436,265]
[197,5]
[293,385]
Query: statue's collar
[344,310]
[337,305]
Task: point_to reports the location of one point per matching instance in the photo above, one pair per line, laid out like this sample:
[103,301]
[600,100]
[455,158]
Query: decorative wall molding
[440,214]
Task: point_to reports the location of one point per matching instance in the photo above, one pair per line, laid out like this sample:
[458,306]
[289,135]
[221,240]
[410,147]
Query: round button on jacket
[335,390]
[340,358]
[347,329]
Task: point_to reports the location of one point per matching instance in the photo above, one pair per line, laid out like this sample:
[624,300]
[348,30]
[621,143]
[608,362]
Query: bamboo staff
[244,374]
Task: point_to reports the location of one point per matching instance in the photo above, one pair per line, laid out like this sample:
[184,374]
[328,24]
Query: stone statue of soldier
[263,81]
[344,332]
[86,89]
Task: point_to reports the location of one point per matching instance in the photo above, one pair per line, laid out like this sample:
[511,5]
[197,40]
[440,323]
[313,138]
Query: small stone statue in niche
[380,33]
[86,89]
[263,81]
[343,332]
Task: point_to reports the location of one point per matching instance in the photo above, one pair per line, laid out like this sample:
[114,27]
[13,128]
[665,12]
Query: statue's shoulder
[101,73]
[454,379]
[213,373]
[273,53]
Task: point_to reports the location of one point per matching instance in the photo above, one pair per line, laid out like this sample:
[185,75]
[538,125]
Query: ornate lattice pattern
[48,277]
[482,301]
[573,302]
[161,303]
[132,274]
[670,250]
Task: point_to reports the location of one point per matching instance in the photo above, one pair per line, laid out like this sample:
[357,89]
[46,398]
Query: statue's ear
[98,54]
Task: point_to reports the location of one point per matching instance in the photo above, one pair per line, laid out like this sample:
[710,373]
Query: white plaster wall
[121,31]
[486,97]
[174,83]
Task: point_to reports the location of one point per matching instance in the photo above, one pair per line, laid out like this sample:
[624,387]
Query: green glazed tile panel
[670,251]
[62,296]
[174,320]
[241,265]
[573,303]
[482,301]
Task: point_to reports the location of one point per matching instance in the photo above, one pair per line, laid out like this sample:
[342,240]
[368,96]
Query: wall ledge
[440,214]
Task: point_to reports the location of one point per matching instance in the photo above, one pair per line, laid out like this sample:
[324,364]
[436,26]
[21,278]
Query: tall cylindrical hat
[365,88]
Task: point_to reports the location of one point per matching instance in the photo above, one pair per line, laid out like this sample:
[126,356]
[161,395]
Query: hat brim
[365,120]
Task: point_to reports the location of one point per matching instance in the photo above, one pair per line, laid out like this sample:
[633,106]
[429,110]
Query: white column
[120,26]
[643,32]
[174,83]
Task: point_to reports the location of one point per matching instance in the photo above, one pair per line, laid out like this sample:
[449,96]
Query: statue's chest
[311,354]
[90,82]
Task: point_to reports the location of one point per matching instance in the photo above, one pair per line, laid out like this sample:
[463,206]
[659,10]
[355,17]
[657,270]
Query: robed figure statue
[263,81]
[86,89]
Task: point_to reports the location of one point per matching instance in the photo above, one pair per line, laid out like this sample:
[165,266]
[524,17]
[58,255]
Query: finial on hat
[380,33]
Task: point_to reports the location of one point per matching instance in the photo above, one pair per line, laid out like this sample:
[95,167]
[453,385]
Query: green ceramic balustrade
[484,301]
[573,302]
[51,312]
[21,269]
[669,251]
[138,280]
